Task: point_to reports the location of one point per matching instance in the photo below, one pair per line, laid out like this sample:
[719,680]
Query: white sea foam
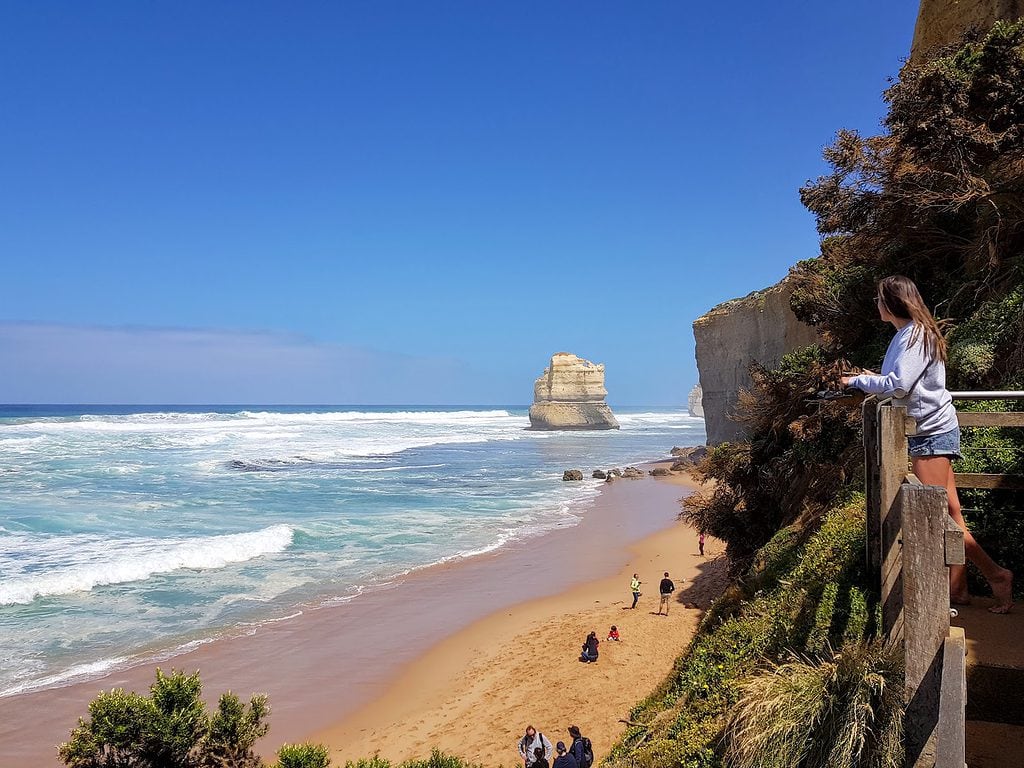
[67,676]
[80,563]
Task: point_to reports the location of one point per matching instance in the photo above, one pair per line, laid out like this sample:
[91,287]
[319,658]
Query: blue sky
[405,202]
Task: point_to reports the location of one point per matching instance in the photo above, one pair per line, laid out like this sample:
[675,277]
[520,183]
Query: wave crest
[80,563]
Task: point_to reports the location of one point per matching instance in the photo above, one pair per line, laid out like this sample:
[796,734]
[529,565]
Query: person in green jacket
[634,586]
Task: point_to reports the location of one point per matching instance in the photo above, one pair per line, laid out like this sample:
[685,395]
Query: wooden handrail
[989,395]
[991,419]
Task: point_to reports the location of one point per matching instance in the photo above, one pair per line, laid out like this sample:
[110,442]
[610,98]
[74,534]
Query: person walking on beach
[564,759]
[700,543]
[914,373]
[666,588]
[634,587]
[530,743]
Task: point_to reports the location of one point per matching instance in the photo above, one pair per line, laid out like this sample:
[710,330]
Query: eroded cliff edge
[761,328]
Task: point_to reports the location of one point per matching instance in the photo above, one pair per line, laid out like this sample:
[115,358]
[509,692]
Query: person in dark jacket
[666,588]
[539,760]
[590,648]
[577,749]
[564,759]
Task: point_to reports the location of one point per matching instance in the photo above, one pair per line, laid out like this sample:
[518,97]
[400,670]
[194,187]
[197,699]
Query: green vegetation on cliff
[801,595]
[938,197]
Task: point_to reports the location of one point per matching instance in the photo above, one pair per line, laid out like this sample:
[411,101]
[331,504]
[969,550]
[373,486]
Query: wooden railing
[911,542]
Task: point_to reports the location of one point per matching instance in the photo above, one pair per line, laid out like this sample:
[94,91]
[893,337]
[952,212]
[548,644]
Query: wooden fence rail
[911,541]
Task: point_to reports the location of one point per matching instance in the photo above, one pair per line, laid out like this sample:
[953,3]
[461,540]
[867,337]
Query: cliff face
[759,327]
[940,22]
[570,394]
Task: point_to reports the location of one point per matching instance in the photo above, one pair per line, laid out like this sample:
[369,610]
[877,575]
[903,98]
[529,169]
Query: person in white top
[914,374]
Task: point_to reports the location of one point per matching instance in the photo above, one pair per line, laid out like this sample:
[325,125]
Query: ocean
[134,533]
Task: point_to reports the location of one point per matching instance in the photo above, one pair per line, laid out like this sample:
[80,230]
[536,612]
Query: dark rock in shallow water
[632,472]
[688,457]
[572,474]
[660,472]
[599,474]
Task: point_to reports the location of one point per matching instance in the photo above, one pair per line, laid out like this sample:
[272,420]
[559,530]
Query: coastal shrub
[437,759]
[842,710]
[799,455]
[303,756]
[169,728]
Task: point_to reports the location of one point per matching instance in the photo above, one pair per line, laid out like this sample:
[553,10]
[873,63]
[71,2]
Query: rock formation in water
[759,327]
[695,403]
[940,22]
[570,394]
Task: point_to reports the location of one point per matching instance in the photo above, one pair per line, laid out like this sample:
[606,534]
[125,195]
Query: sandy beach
[459,656]
[474,693]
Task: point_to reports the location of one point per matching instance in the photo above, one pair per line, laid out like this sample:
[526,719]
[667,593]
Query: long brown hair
[901,299]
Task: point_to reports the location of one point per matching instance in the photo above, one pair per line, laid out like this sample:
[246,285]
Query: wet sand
[331,672]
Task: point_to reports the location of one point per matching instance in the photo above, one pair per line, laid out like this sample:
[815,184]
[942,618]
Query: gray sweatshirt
[929,404]
[527,745]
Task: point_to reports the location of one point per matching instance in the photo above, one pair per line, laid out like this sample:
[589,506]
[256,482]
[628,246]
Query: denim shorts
[942,444]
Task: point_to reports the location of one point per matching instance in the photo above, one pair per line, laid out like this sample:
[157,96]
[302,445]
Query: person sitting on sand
[589,648]
[539,760]
[666,588]
[564,759]
[914,373]
[613,633]
[530,743]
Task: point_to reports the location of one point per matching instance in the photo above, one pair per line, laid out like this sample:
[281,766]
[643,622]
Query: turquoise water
[130,533]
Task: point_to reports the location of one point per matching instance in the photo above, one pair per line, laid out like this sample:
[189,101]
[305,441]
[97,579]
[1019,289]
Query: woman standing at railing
[914,375]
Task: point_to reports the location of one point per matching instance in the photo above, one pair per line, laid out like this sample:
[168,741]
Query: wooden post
[873,535]
[892,468]
[950,737]
[923,510]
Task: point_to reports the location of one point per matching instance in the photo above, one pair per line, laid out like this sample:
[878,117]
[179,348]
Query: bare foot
[1002,591]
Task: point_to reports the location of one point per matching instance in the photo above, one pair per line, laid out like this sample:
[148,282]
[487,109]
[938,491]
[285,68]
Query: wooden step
[994,745]
[995,663]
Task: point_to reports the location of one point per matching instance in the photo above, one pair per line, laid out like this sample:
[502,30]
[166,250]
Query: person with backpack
[581,750]
[531,741]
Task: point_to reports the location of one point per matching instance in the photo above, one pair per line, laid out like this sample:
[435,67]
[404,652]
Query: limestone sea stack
[570,394]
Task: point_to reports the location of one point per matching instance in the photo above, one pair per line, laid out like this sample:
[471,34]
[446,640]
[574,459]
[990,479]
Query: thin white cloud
[81,364]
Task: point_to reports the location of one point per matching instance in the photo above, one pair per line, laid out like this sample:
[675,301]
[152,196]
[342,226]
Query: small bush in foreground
[437,759]
[170,728]
[303,756]
[839,712]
